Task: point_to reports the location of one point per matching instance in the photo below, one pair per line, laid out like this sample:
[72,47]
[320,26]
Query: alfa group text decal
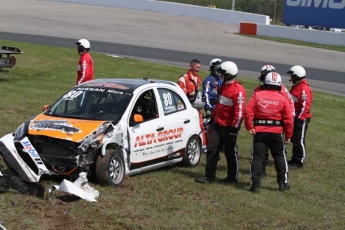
[161,136]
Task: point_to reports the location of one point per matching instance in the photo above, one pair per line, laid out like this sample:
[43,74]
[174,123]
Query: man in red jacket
[85,64]
[266,69]
[190,82]
[303,98]
[267,116]
[227,119]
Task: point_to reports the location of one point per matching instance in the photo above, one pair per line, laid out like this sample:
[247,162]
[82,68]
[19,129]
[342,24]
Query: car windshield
[91,103]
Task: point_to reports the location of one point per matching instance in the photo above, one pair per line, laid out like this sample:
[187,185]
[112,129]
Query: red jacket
[188,83]
[285,92]
[231,104]
[303,97]
[85,68]
[266,107]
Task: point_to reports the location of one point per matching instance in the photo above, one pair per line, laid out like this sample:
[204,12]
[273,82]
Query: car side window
[171,101]
[146,105]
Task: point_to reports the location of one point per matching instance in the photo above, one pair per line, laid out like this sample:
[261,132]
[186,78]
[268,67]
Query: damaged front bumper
[22,158]
[24,187]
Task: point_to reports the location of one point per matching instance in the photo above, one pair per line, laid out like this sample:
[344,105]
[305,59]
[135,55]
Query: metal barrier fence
[272,8]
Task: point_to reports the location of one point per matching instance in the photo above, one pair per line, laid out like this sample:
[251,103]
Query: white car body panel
[145,146]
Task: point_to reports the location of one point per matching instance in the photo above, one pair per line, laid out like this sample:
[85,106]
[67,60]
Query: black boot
[254,189]
[284,186]
[204,179]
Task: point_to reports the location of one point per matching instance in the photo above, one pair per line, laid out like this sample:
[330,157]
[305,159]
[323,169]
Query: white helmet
[273,78]
[297,71]
[265,70]
[214,63]
[228,67]
[198,102]
[84,43]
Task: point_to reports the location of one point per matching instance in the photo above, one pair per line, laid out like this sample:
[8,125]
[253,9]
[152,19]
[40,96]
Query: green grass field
[169,198]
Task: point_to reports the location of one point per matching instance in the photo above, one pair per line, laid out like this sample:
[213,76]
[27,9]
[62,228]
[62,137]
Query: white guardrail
[298,34]
[207,13]
[253,24]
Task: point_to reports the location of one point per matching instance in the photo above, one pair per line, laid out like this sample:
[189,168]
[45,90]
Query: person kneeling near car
[267,116]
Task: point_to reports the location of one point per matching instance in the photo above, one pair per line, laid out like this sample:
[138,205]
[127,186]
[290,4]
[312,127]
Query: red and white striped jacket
[285,92]
[302,96]
[269,111]
[85,68]
[230,107]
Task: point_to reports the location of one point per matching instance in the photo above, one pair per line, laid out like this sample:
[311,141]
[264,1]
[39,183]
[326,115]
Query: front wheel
[192,152]
[110,168]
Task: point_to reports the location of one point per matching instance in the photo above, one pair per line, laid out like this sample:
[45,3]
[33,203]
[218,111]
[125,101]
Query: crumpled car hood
[63,128]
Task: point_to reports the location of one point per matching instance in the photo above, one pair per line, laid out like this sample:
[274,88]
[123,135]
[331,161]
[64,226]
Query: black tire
[192,153]
[110,169]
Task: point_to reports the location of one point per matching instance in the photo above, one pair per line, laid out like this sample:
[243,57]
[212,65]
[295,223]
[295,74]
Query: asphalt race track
[165,39]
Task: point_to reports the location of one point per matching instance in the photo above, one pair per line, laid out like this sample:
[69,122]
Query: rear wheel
[110,168]
[192,152]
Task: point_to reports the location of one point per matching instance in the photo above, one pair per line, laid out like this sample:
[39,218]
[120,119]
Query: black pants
[275,143]
[298,140]
[219,136]
[265,160]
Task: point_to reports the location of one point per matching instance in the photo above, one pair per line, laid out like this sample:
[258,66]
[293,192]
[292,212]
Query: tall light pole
[275,9]
[233,5]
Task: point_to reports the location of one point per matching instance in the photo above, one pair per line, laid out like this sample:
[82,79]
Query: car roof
[123,84]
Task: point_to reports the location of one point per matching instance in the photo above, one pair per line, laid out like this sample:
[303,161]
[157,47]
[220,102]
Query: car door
[174,122]
[143,136]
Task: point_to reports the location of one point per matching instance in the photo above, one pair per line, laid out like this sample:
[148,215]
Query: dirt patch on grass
[59,216]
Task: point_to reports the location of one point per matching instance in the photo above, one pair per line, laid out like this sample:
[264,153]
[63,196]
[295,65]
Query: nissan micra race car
[109,128]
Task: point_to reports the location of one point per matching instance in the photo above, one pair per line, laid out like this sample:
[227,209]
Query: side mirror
[138,118]
[45,107]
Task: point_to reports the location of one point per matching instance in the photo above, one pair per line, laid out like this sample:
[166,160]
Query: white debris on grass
[80,188]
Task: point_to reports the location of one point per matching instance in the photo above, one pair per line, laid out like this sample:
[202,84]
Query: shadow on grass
[68,198]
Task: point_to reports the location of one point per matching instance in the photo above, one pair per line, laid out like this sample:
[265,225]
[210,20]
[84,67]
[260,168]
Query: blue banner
[322,13]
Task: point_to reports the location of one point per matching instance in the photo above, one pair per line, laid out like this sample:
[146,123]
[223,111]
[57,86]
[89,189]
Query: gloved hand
[208,113]
[208,123]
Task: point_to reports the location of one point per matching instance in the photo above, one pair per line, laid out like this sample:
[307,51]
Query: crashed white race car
[109,127]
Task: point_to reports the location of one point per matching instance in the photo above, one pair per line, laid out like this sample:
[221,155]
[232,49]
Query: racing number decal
[167,99]
[168,103]
[72,94]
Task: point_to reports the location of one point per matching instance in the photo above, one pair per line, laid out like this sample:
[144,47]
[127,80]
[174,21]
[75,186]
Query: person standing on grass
[227,119]
[303,97]
[211,86]
[266,69]
[190,83]
[267,116]
[85,64]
